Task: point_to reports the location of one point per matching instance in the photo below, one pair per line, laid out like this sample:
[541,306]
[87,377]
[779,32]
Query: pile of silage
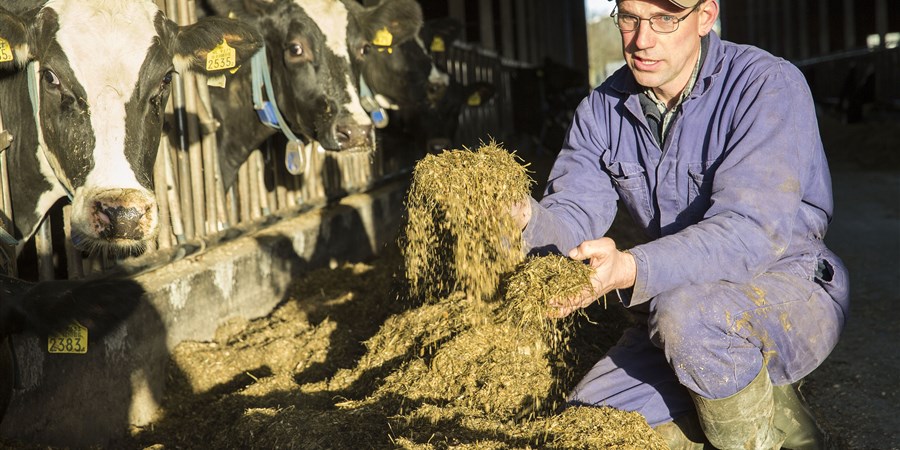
[452,372]
[507,359]
[460,235]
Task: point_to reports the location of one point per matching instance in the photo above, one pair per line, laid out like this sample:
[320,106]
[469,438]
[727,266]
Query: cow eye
[49,77]
[167,80]
[295,50]
[365,49]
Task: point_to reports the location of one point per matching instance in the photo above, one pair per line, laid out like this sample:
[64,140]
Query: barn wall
[81,400]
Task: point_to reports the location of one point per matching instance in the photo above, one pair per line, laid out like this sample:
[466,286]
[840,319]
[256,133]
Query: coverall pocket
[630,180]
[698,192]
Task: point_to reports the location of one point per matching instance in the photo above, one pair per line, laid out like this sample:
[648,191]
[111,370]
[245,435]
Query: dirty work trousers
[712,339]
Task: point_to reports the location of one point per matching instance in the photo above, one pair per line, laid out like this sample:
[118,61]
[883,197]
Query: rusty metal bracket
[5,140]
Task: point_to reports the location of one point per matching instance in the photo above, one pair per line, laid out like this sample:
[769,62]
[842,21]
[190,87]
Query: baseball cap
[685,3]
[680,3]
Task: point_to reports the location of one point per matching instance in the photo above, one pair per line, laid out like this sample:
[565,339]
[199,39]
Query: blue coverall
[736,202]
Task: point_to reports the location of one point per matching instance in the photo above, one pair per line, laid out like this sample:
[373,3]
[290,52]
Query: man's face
[663,62]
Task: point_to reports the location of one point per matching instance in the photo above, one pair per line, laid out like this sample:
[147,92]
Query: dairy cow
[399,69]
[430,124]
[314,49]
[83,88]
[49,306]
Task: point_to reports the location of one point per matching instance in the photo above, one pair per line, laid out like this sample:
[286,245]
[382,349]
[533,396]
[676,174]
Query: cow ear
[14,48]
[479,93]
[439,34]
[402,18]
[240,8]
[215,45]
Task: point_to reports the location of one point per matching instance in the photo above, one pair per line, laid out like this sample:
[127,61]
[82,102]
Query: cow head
[441,121]
[314,80]
[393,60]
[99,305]
[103,72]
[437,36]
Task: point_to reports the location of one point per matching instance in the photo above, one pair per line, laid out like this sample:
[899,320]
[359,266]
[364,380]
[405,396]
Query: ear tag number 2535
[221,57]
[72,339]
[5,51]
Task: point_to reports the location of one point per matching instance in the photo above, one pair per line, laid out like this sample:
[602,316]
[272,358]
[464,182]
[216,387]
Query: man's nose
[644,36]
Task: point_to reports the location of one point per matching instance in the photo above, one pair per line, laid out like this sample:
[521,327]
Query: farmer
[714,150]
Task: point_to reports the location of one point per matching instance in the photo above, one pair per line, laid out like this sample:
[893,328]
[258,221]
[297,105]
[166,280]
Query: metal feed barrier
[196,211]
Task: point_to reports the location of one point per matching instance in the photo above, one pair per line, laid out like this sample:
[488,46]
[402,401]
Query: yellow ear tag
[383,38]
[72,339]
[437,45]
[5,51]
[474,99]
[221,57]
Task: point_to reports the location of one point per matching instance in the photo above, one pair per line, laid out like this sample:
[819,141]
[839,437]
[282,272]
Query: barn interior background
[542,57]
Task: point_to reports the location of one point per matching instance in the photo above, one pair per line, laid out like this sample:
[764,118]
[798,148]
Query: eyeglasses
[662,23]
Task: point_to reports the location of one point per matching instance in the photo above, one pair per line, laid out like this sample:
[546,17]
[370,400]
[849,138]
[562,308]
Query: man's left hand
[612,268]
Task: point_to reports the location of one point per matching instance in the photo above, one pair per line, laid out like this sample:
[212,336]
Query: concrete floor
[855,391]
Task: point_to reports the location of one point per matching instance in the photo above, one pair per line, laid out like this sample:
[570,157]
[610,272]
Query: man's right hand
[521,212]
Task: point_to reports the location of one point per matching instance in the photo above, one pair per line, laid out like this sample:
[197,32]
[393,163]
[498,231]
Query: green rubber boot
[794,417]
[684,433]
[744,420]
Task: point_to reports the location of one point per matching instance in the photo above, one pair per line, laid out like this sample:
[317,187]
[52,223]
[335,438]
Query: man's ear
[14,48]
[709,12]
[215,45]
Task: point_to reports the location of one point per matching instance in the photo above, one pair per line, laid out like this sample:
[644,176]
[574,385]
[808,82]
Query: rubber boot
[794,417]
[684,433]
[744,420]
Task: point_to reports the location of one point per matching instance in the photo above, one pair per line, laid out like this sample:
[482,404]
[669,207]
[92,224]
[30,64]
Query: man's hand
[521,212]
[612,270]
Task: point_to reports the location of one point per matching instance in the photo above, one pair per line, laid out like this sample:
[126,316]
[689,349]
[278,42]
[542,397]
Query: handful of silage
[531,288]
[460,235]
[505,359]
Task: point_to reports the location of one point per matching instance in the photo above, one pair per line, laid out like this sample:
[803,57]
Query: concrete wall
[80,400]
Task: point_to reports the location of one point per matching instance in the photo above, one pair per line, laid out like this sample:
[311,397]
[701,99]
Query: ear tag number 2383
[72,339]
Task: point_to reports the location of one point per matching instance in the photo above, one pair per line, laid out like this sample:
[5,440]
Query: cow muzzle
[123,219]
[352,135]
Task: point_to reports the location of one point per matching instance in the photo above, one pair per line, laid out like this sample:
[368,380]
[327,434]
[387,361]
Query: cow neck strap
[367,100]
[34,90]
[297,155]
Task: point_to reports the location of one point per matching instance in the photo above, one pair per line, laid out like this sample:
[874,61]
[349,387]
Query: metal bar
[254,185]
[243,194]
[7,252]
[172,192]
[43,243]
[164,238]
[74,261]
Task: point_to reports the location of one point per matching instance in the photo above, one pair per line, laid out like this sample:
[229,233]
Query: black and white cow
[429,125]
[49,306]
[90,130]
[401,73]
[313,49]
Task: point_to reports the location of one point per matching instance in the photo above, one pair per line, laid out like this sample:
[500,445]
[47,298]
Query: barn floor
[334,365]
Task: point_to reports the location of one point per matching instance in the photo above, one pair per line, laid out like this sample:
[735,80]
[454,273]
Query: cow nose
[119,222]
[437,145]
[351,135]
[435,93]
[122,215]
